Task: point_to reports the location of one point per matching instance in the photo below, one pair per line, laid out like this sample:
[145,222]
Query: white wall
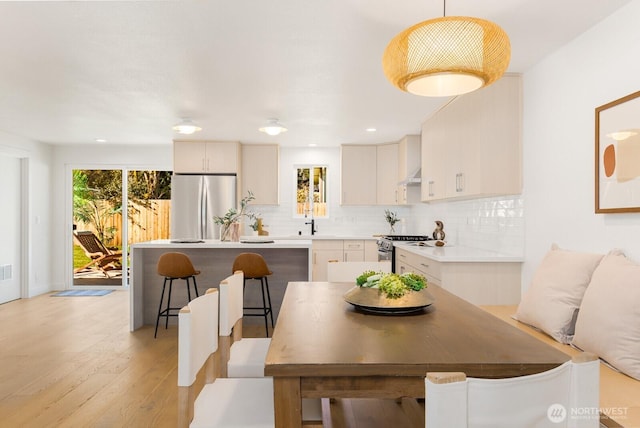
[560,95]
[35,159]
[67,158]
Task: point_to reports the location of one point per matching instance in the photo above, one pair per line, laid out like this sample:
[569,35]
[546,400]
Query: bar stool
[174,266]
[253,266]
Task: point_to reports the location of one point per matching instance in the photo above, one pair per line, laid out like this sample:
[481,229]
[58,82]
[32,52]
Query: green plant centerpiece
[392,284]
[389,293]
[230,222]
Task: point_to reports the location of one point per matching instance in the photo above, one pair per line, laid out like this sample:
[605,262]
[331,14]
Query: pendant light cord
[444,8]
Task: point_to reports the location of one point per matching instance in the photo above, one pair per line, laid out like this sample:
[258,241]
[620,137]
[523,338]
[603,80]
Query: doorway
[10,229]
[103,230]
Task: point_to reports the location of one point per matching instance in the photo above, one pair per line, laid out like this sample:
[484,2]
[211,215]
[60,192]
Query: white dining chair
[349,271]
[222,402]
[245,357]
[566,396]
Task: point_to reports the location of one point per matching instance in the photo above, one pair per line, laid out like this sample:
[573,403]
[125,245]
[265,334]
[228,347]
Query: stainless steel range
[386,249]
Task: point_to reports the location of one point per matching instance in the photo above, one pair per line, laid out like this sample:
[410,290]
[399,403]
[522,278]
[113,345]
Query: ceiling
[73,72]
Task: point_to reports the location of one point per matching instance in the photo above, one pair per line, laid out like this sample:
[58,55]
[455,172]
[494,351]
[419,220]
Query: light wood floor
[72,362]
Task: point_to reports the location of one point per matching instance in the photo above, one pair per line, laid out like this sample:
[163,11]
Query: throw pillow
[552,301]
[608,324]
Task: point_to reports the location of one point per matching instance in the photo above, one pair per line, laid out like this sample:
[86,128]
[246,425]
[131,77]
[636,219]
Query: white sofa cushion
[552,301]
[608,324]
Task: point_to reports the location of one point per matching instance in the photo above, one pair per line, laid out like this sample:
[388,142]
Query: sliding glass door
[100,238]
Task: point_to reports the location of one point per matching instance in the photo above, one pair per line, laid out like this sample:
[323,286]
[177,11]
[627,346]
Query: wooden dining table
[324,347]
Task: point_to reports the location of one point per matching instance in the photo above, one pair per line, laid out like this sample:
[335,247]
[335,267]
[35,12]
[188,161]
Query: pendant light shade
[447,56]
[187,126]
[273,128]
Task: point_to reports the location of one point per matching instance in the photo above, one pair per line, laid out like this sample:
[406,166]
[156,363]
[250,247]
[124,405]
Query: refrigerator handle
[203,213]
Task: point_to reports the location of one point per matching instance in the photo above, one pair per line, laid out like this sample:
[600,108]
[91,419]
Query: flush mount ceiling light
[273,127]
[187,126]
[447,56]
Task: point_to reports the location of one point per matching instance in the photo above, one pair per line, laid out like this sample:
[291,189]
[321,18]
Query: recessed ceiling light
[312,145]
[101,140]
[371,129]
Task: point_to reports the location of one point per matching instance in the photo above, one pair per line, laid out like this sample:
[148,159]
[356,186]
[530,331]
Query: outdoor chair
[103,258]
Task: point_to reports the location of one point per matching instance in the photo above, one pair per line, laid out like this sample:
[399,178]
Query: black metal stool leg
[195,286]
[188,289]
[160,308]
[166,324]
[264,307]
[266,281]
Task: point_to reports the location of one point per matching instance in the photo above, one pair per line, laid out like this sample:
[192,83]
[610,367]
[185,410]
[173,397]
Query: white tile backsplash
[494,224]
[345,221]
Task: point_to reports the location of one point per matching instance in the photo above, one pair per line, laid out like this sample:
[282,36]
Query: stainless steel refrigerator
[195,200]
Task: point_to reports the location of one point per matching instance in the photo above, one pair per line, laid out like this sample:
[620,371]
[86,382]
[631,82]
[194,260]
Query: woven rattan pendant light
[447,56]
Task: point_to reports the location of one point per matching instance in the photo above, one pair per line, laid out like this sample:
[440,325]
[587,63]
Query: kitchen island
[289,260]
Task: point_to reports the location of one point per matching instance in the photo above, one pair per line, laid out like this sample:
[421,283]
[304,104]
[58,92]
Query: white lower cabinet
[480,283]
[353,251]
[323,252]
[341,250]
[409,262]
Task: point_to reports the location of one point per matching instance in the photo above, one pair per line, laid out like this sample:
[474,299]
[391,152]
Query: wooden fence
[145,224]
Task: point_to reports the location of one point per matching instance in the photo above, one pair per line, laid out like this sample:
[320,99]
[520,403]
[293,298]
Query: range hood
[414,177]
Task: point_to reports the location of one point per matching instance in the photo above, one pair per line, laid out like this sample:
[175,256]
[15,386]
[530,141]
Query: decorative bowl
[374,301]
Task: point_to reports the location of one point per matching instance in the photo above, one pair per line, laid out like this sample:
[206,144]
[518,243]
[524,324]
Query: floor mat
[72,293]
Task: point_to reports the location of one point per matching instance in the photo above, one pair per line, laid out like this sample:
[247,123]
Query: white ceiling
[75,71]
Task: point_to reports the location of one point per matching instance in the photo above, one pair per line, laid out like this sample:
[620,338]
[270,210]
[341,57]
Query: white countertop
[456,253]
[253,242]
[316,237]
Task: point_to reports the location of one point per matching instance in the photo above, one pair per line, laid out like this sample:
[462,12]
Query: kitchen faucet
[313,225]
[312,222]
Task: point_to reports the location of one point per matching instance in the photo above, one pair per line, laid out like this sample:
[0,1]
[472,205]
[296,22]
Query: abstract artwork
[617,156]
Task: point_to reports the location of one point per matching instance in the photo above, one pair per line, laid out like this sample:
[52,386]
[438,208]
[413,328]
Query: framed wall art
[617,156]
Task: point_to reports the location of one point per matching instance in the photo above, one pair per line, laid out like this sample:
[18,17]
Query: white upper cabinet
[408,166]
[358,175]
[472,147]
[206,157]
[379,174]
[387,174]
[433,159]
[260,169]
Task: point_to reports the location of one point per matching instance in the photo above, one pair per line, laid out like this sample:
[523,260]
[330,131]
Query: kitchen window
[311,191]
